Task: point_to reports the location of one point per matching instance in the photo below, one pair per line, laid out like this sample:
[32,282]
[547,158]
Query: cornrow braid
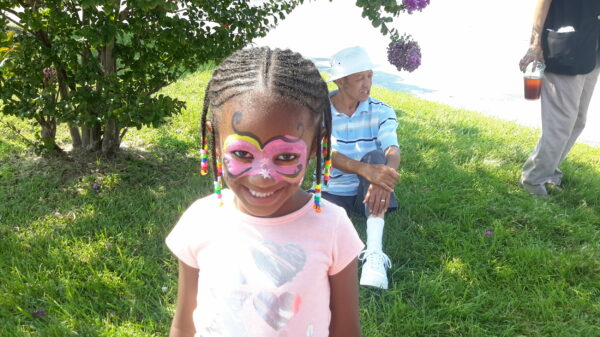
[283,72]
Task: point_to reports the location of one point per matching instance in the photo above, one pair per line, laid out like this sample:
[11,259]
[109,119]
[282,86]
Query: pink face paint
[244,155]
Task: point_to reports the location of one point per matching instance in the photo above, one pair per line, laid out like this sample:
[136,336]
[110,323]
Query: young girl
[264,258]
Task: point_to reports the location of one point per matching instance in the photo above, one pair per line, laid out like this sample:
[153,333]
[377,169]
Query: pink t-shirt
[262,277]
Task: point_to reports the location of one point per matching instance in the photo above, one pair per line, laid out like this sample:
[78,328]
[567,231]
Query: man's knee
[374,157]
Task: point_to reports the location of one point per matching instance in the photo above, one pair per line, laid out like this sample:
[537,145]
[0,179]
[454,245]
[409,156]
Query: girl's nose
[263,179]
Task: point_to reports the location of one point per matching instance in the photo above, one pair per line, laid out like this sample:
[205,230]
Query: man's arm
[383,178]
[534,53]
[377,198]
[378,174]
[392,155]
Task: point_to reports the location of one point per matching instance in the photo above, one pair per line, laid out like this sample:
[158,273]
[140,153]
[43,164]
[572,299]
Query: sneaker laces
[375,256]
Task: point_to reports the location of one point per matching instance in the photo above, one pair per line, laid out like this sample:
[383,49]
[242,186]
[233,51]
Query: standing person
[365,156]
[565,36]
[265,263]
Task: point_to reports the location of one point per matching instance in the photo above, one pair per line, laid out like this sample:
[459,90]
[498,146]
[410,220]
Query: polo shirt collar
[362,106]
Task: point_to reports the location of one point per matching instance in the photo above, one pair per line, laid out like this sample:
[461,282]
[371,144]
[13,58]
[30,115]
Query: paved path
[470,48]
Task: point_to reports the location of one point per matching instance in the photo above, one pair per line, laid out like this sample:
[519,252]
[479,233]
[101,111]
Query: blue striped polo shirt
[372,126]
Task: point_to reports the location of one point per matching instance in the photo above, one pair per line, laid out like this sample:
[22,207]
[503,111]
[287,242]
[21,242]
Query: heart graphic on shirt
[280,263]
[276,310]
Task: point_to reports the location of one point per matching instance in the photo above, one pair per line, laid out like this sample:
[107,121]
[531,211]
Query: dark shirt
[573,52]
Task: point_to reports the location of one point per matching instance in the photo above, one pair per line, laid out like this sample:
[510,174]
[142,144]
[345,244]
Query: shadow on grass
[84,242]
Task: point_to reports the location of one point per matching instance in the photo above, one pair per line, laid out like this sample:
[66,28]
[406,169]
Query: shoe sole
[373,283]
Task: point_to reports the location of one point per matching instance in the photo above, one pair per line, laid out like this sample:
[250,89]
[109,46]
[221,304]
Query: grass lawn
[473,255]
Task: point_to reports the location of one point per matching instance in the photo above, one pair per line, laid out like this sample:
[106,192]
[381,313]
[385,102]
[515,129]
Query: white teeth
[260,195]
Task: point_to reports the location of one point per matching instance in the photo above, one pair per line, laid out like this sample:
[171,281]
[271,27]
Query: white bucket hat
[349,61]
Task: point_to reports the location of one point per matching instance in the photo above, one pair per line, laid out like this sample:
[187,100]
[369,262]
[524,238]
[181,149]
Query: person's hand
[377,200]
[533,54]
[381,175]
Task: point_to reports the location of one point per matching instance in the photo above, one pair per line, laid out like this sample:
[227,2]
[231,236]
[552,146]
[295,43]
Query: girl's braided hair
[283,72]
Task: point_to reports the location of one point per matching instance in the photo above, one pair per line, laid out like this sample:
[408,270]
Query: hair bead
[219,166]
[317,200]
[219,181]
[327,171]
[204,159]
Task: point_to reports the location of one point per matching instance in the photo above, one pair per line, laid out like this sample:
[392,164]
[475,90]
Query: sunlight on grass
[457,268]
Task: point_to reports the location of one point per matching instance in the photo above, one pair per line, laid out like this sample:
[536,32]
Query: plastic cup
[534,75]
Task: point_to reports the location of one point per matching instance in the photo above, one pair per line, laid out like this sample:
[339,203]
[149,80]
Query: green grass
[95,261]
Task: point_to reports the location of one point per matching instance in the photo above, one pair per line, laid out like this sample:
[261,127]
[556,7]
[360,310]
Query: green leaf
[9,36]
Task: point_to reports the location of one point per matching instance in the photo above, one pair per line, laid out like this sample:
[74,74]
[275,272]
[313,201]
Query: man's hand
[382,175]
[377,200]
[383,180]
[533,54]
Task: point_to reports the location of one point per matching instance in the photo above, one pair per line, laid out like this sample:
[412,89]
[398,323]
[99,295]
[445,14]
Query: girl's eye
[242,154]
[286,157]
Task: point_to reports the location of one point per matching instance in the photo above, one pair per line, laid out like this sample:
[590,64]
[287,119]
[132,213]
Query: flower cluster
[49,76]
[404,54]
[414,5]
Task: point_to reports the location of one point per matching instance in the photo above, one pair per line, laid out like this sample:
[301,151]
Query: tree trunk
[111,140]
[48,135]
[95,140]
[85,137]
[75,137]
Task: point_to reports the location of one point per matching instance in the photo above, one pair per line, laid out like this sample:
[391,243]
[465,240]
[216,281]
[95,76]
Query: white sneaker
[374,269]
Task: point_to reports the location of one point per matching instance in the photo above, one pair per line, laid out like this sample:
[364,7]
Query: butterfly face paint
[281,158]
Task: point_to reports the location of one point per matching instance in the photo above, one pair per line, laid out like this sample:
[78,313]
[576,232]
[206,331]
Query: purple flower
[49,75]
[95,186]
[489,233]
[38,313]
[414,5]
[405,54]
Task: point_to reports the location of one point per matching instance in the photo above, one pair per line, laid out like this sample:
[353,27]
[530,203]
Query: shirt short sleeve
[179,240]
[388,126]
[346,244]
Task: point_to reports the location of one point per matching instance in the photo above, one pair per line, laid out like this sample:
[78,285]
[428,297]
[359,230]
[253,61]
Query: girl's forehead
[264,113]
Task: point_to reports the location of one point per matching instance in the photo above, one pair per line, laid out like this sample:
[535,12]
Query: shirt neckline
[359,108]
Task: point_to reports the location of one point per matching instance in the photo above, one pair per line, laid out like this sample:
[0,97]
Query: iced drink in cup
[534,74]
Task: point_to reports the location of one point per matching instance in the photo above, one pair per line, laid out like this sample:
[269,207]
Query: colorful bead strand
[204,159]
[327,171]
[219,182]
[317,205]
[218,191]
[326,163]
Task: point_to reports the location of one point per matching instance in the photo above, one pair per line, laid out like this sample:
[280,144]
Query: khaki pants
[565,101]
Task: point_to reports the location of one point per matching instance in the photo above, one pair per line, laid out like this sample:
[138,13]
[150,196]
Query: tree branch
[153,91]
[17,132]
[17,23]
[124,14]
[15,13]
